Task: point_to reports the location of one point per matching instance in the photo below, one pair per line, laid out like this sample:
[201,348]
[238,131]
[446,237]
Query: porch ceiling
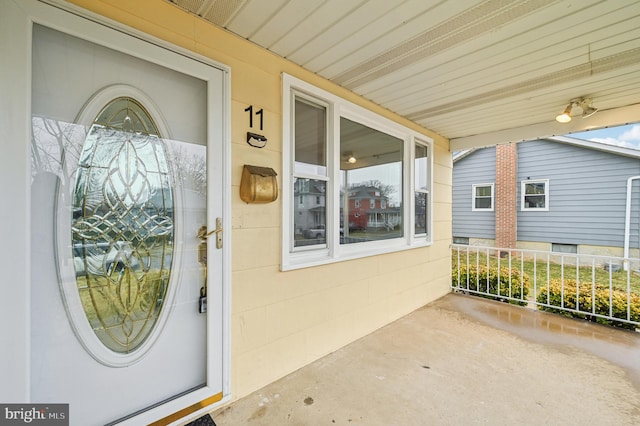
[478,72]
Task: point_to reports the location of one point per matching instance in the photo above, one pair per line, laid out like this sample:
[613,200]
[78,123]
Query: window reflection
[309,212]
[122,226]
[421,183]
[115,277]
[310,180]
[421,213]
[371,186]
[310,138]
[421,167]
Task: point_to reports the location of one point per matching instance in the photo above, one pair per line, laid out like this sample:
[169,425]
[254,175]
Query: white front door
[126,169]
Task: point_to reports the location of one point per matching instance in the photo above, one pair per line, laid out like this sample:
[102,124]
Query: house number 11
[249,109]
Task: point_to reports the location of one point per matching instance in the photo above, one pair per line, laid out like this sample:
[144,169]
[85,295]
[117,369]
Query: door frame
[16,23]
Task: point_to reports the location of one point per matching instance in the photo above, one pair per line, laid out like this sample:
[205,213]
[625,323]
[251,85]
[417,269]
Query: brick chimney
[506,193]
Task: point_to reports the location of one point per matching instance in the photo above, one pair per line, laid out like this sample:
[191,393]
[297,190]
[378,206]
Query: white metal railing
[605,289]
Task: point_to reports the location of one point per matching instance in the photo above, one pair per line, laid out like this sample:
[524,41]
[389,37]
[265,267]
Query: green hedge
[584,297]
[478,278]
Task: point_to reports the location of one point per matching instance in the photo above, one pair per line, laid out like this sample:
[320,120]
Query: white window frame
[427,192]
[319,177]
[337,107]
[523,184]
[474,197]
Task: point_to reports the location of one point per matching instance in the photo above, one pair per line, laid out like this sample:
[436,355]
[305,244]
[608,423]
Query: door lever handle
[203,234]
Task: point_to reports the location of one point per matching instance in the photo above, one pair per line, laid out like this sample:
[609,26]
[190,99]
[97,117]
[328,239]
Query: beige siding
[281,321]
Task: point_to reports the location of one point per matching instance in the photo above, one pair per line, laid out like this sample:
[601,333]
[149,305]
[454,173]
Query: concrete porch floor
[461,360]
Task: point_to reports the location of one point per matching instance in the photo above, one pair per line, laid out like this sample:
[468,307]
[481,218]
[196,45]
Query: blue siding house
[571,195]
[479,169]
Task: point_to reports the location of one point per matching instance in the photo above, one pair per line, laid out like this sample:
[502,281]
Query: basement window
[371,175]
[564,248]
[461,240]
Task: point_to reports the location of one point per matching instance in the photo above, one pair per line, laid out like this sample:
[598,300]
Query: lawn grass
[540,272]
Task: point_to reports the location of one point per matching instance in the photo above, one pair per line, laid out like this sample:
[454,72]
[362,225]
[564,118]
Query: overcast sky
[627,136]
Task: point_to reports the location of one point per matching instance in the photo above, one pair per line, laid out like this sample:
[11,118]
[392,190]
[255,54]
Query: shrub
[491,283]
[582,297]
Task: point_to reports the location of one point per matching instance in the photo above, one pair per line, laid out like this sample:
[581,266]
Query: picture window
[336,155]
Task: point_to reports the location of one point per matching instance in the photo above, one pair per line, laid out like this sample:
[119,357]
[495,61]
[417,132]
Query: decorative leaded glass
[122,225]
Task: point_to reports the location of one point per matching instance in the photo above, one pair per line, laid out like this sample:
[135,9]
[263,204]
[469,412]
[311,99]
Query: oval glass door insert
[122,225]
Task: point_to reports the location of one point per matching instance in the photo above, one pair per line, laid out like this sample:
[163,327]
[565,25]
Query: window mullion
[333,154]
[408,183]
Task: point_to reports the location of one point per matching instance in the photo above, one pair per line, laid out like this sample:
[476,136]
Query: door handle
[202,258]
[203,234]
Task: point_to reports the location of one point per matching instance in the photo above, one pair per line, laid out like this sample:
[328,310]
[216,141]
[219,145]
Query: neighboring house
[560,194]
[369,209]
[309,206]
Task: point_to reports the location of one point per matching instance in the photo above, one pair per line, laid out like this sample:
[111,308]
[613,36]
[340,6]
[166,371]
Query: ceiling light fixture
[350,158]
[587,109]
[583,103]
[565,117]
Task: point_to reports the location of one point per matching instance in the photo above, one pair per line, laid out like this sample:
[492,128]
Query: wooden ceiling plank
[324,28]
[396,96]
[287,18]
[483,82]
[384,35]
[253,16]
[471,61]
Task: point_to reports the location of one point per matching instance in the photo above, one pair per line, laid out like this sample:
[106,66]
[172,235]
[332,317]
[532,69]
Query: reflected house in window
[420,207]
[309,206]
[369,209]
